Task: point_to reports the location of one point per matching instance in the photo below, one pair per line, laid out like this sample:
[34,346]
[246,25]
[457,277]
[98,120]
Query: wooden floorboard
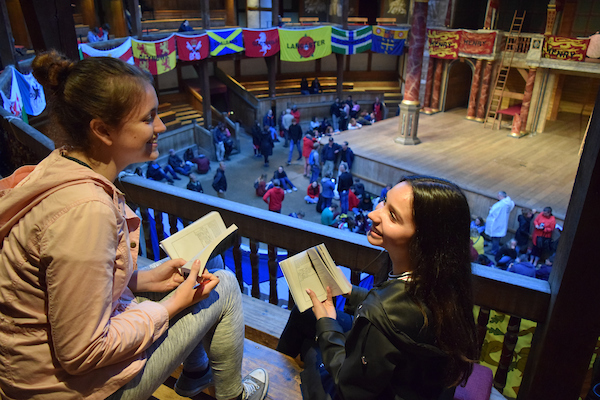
[535,170]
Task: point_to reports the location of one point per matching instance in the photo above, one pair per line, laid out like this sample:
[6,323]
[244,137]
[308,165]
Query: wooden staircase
[175,111]
[510,47]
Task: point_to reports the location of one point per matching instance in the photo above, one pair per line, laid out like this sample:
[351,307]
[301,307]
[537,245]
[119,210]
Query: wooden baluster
[508,350]
[355,277]
[273,274]
[482,321]
[254,259]
[172,224]
[237,259]
[147,238]
[160,231]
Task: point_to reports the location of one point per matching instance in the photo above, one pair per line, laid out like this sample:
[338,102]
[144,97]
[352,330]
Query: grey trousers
[211,330]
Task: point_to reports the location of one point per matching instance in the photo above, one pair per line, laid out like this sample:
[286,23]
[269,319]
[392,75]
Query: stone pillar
[485,92]
[409,108]
[428,86]
[472,108]
[527,100]
[437,85]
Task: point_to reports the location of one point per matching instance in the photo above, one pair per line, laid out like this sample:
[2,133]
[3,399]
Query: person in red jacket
[353,201]
[544,225]
[274,196]
[312,193]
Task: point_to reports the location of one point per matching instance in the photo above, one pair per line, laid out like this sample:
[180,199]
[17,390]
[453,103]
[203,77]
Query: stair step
[264,321]
[167,116]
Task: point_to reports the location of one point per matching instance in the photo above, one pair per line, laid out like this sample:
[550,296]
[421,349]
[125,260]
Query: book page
[300,275]
[341,279]
[323,272]
[218,245]
[192,239]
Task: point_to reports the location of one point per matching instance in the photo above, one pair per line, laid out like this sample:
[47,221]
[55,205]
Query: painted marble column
[472,108]
[485,92]
[409,108]
[428,86]
[437,85]
[527,100]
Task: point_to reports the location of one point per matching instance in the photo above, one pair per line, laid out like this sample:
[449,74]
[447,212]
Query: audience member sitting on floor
[194,185]
[365,118]
[274,197]
[355,110]
[260,184]
[314,124]
[360,188]
[366,203]
[506,254]
[477,240]
[544,225]
[328,214]
[312,193]
[522,266]
[479,224]
[202,162]
[286,184]
[299,214]
[543,272]
[178,164]
[155,172]
[353,201]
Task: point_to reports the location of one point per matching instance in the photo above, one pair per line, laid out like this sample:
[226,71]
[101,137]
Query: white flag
[32,93]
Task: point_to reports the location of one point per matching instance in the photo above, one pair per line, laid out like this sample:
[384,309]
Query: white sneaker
[295,189]
[289,191]
[255,385]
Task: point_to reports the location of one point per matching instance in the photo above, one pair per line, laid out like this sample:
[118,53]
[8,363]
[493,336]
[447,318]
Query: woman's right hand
[186,295]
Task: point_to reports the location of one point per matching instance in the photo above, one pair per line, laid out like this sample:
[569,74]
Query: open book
[313,269]
[202,240]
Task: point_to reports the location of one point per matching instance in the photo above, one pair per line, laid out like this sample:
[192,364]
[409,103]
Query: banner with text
[476,42]
[443,44]
[155,57]
[563,48]
[305,44]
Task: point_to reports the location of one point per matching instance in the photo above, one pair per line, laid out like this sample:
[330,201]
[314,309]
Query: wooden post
[237,258]
[88,13]
[136,18]
[339,58]
[7,43]
[203,71]
[17,23]
[570,332]
[272,274]
[254,260]
[51,26]
[147,237]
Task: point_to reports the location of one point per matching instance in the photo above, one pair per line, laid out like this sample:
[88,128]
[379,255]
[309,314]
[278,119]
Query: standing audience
[496,224]
[274,197]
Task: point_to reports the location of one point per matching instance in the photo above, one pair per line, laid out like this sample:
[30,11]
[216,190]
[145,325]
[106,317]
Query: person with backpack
[314,163]
[307,145]
[220,181]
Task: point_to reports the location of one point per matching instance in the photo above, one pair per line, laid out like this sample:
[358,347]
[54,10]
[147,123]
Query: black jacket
[295,132]
[219,181]
[388,353]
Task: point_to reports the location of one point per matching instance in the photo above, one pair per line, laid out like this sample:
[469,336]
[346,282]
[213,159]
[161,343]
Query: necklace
[76,160]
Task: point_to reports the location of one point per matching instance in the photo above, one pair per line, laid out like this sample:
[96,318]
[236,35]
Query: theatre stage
[536,170]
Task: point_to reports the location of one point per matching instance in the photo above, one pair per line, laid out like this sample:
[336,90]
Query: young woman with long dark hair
[413,336]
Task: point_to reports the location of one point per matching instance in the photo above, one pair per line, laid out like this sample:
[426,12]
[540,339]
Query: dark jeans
[185,170]
[286,183]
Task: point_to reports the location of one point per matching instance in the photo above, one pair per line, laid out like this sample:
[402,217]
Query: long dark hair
[441,277]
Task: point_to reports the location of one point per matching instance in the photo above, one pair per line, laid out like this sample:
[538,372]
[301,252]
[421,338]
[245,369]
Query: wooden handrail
[496,289]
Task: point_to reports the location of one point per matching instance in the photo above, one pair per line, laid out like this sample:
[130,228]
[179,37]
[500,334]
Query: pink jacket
[70,328]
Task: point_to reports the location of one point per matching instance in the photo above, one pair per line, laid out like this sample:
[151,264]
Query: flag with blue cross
[389,41]
[351,42]
[226,41]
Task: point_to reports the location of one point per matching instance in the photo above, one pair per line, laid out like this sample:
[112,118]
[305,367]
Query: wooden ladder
[512,41]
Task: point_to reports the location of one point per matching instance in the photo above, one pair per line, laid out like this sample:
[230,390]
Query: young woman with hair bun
[71,326]
[413,336]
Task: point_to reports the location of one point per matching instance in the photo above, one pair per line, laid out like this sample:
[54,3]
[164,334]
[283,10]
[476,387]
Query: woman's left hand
[163,278]
[325,308]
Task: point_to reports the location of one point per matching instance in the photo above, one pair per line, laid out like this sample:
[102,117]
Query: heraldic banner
[32,93]
[305,44]
[389,41]
[261,42]
[476,43]
[351,42]
[563,48]
[225,41]
[190,48]
[155,57]
[443,44]
[123,51]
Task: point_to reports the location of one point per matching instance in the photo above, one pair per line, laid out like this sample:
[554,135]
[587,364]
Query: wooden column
[527,100]
[472,108]
[485,92]
[115,16]
[17,23]
[230,19]
[570,332]
[136,18]
[409,108]
[272,262]
[339,58]
[7,43]
[437,85]
[273,275]
[88,13]
[428,86]
[254,259]
[51,26]
[203,70]
[237,257]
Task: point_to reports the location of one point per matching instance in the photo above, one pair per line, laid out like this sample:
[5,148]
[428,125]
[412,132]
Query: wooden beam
[136,18]
[51,26]
[7,43]
[573,323]
[17,23]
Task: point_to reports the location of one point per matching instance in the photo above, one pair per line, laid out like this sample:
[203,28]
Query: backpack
[311,158]
[320,204]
